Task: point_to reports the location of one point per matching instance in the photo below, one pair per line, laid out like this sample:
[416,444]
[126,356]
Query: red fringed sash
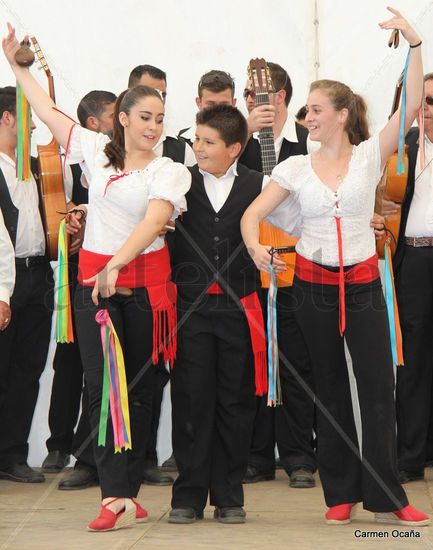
[152,271]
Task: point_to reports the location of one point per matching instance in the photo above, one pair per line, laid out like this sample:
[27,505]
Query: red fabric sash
[152,271]
[364,272]
[254,314]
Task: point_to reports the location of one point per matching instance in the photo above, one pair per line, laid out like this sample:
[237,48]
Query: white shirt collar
[8,159]
[231,172]
[288,131]
[166,132]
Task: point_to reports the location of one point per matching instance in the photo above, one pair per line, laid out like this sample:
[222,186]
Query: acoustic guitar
[259,75]
[51,174]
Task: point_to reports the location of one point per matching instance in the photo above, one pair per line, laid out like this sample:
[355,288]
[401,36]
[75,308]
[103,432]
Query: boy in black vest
[220,335]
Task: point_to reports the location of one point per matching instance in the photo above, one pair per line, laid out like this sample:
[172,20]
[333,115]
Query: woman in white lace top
[339,292]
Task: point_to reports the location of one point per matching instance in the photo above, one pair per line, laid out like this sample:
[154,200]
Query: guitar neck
[266,137]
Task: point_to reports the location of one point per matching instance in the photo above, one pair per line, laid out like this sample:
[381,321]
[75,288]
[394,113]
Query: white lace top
[115,210]
[353,203]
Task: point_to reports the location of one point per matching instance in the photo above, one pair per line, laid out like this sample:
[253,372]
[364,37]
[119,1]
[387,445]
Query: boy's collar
[232,171]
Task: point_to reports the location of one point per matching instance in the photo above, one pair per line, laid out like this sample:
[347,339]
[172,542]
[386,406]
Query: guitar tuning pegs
[25,56]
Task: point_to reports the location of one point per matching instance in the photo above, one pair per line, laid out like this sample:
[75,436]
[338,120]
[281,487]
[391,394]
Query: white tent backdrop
[94,45]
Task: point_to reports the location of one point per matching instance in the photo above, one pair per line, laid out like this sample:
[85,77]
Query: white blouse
[117,208]
[353,203]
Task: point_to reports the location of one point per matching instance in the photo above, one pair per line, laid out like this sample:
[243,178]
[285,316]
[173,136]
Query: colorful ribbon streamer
[400,164]
[23,136]
[393,316]
[64,333]
[114,388]
[274,385]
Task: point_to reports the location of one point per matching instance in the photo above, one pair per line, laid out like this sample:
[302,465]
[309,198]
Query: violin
[259,75]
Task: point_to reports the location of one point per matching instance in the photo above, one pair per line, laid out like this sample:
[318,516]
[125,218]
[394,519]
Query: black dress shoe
[253,475]
[169,465]
[22,473]
[406,476]
[80,478]
[234,514]
[301,478]
[153,476]
[55,461]
[184,515]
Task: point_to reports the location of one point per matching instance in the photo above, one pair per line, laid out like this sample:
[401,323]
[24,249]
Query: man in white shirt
[24,345]
[413,267]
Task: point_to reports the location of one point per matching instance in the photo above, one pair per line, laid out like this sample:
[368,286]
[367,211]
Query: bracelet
[415,45]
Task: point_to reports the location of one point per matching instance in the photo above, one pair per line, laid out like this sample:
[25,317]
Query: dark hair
[281,81]
[428,76]
[342,97]
[216,81]
[93,104]
[115,149]
[140,70]
[302,113]
[229,122]
[8,100]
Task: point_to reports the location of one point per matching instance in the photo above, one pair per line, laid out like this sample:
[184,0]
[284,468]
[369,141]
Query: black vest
[207,244]
[252,158]
[412,145]
[9,210]
[80,195]
[174,148]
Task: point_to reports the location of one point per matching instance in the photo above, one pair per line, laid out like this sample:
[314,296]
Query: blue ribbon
[272,341]
[389,298]
[400,164]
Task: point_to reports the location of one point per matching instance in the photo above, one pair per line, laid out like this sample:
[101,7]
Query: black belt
[31,261]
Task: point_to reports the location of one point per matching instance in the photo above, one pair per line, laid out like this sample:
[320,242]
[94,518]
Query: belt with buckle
[31,261]
[419,241]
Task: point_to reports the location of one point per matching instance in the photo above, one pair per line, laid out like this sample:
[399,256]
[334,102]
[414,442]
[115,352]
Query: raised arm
[40,101]
[388,137]
[271,196]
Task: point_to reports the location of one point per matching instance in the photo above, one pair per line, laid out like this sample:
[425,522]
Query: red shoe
[405,516]
[339,515]
[109,521]
[141,514]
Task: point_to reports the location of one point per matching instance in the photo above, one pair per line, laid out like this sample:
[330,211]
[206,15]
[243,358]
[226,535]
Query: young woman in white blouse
[131,194]
[338,289]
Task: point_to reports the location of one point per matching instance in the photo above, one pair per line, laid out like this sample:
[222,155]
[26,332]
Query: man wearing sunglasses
[413,268]
[291,425]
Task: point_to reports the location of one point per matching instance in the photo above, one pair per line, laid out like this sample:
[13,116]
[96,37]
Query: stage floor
[40,516]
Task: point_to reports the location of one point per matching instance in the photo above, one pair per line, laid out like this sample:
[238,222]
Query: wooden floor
[41,517]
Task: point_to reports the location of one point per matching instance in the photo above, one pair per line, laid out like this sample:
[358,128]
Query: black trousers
[23,354]
[346,479]
[414,379]
[212,392]
[67,384]
[119,474]
[162,376]
[291,424]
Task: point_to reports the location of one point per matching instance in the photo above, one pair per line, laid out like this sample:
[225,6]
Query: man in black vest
[214,88]
[178,150]
[290,425]
[24,344]
[413,268]
[95,112]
